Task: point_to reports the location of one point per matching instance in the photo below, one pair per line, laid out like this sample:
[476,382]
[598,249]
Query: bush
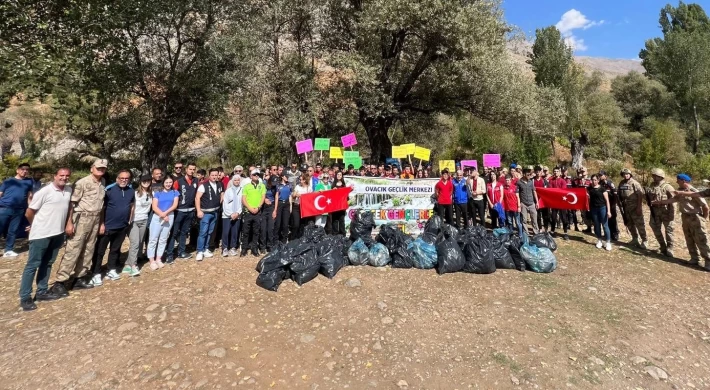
[698,167]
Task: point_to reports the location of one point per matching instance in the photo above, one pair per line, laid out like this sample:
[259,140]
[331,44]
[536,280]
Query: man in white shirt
[476,202]
[47,215]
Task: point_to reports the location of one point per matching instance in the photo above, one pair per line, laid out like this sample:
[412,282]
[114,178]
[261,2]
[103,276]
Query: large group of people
[251,210]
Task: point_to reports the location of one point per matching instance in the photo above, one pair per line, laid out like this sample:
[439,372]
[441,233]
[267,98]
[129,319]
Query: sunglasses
[180,167]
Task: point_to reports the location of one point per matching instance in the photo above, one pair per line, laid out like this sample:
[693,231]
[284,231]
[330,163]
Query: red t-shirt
[445,192]
[510,198]
[539,183]
[558,183]
[225,181]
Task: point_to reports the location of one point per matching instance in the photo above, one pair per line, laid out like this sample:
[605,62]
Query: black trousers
[477,209]
[338,221]
[295,222]
[251,226]
[613,223]
[543,218]
[494,218]
[446,212]
[115,239]
[181,227]
[283,216]
[461,215]
[267,240]
[563,216]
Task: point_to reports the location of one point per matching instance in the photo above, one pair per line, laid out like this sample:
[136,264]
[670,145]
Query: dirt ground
[618,320]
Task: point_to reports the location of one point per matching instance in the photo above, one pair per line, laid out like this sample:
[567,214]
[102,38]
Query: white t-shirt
[51,207]
[143,204]
[300,191]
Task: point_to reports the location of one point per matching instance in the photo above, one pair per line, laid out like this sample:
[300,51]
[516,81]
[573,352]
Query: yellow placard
[422,153]
[398,152]
[409,148]
[336,152]
[447,164]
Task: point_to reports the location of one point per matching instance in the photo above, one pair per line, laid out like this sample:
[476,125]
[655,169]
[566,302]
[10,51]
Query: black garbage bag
[514,249]
[450,258]
[358,254]
[392,238]
[447,231]
[272,280]
[501,254]
[479,256]
[434,225]
[544,240]
[361,225]
[305,267]
[330,255]
[279,257]
[313,233]
[402,258]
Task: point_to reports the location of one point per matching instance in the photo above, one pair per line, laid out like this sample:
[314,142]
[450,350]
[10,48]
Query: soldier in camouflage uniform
[662,215]
[694,211]
[631,200]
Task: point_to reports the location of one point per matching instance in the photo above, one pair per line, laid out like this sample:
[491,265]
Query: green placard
[322,144]
[351,154]
[355,161]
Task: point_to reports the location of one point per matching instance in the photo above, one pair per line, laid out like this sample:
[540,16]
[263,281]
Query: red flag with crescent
[323,202]
[563,198]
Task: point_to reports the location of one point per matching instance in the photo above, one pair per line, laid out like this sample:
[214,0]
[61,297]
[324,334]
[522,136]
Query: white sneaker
[208,253]
[113,275]
[644,245]
[10,254]
[96,280]
[608,246]
[200,256]
[599,244]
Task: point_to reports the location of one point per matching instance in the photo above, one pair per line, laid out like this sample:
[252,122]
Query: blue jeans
[43,252]
[512,218]
[230,233]
[159,230]
[181,227]
[600,220]
[10,220]
[206,228]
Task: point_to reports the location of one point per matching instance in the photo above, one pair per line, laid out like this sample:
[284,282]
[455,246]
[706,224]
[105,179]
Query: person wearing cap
[444,190]
[186,186]
[631,195]
[15,195]
[267,238]
[693,211]
[610,187]
[253,197]
[136,236]
[528,201]
[662,215]
[82,228]
[117,213]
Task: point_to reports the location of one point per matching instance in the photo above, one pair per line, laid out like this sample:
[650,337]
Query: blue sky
[600,28]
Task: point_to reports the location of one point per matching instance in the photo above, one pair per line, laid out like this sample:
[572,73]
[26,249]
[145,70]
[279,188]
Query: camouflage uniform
[629,192]
[694,227]
[88,201]
[662,215]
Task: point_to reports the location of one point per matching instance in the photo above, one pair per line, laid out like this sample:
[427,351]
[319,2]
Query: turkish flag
[319,203]
[563,198]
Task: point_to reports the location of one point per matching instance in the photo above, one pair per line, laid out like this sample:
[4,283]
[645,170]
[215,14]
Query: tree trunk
[158,149]
[696,141]
[577,150]
[380,144]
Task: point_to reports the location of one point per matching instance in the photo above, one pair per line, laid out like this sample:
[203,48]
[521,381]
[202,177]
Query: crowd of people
[234,213]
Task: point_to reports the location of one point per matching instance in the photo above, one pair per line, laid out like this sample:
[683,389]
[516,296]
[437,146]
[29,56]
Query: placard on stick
[336,153]
[422,153]
[491,160]
[322,144]
[409,148]
[399,152]
[355,161]
[351,154]
[447,164]
[349,140]
[469,163]
[304,146]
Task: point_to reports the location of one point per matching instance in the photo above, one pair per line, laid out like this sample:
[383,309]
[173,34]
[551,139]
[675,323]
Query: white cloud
[574,20]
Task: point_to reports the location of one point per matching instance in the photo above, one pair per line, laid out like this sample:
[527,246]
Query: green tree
[550,57]
[640,97]
[405,59]
[665,145]
[681,61]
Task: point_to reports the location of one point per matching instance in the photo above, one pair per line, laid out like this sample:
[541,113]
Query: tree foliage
[550,58]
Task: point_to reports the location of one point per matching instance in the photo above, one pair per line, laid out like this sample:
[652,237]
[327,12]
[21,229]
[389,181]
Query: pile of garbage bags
[440,246]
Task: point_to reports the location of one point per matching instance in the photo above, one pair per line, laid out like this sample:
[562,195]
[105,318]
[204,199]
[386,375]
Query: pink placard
[304,146]
[469,163]
[349,140]
[491,160]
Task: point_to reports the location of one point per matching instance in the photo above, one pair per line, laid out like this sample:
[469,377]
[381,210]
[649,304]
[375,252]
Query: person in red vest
[444,190]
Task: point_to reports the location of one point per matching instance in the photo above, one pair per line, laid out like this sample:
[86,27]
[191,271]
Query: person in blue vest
[186,185]
[207,202]
[461,195]
[119,202]
[15,196]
